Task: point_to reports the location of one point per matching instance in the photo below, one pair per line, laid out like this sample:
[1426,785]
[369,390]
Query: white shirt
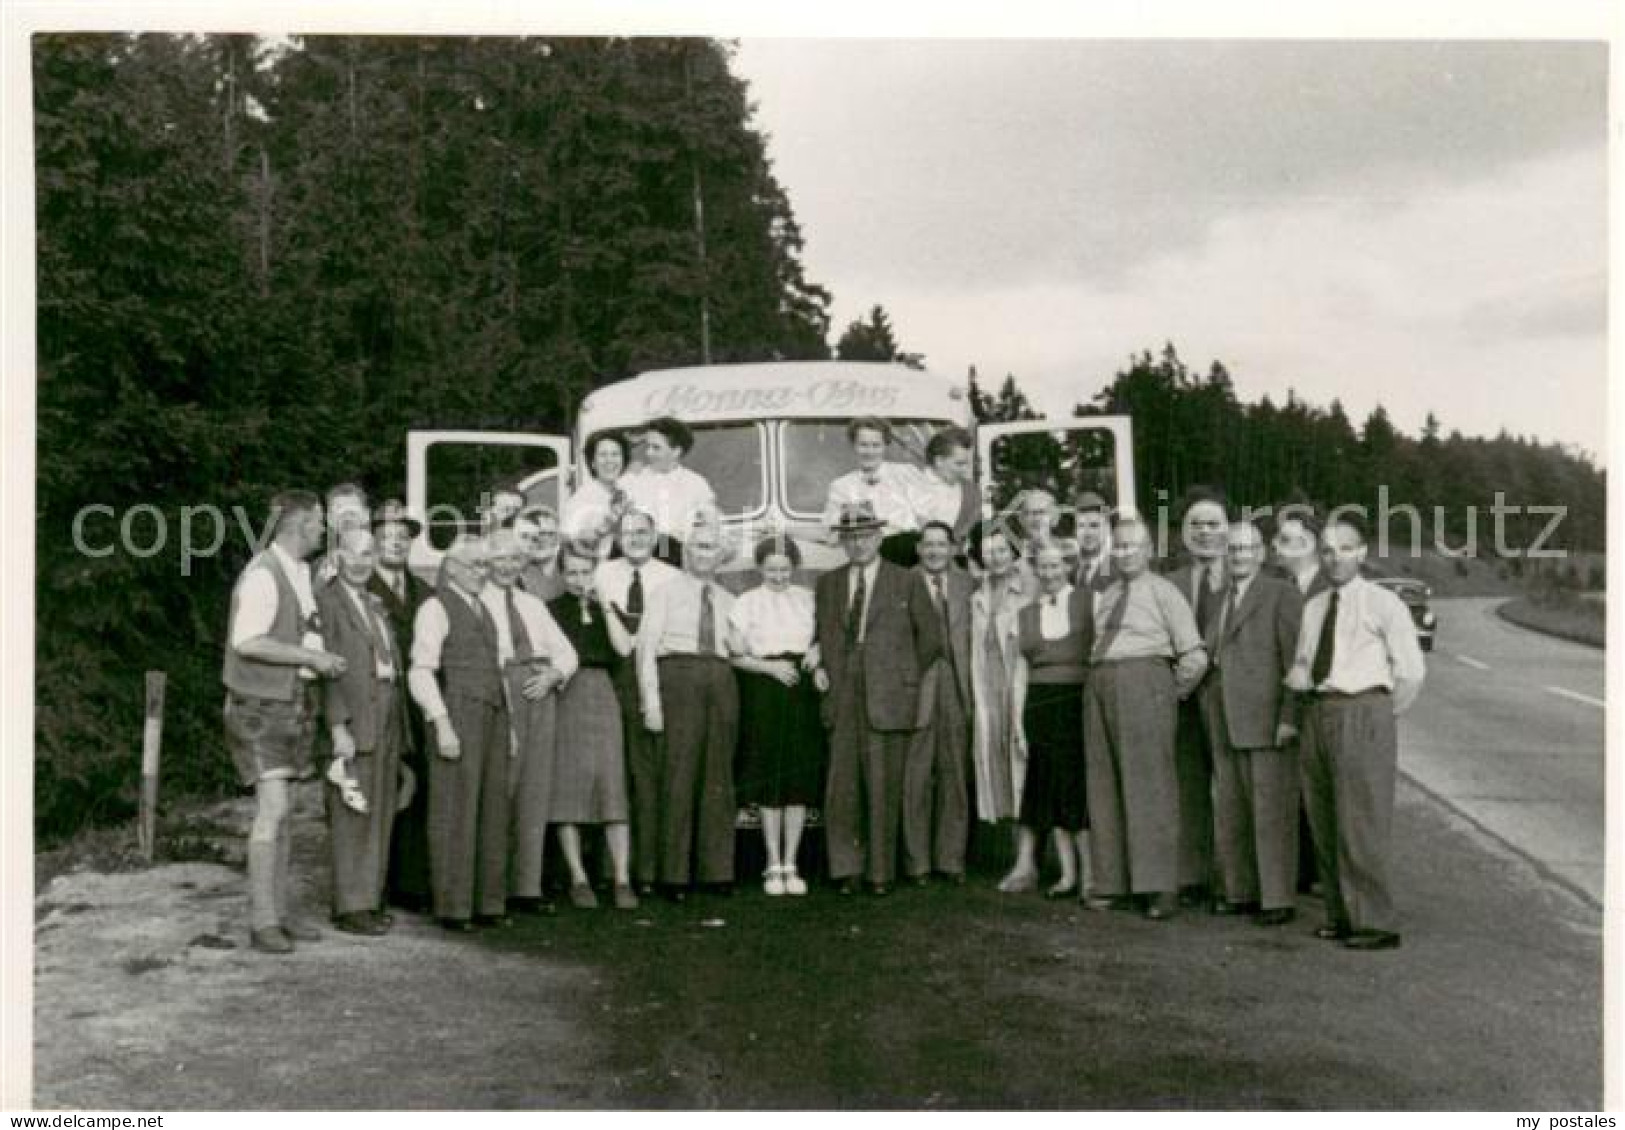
[890,494]
[774,623]
[671,499]
[257,596]
[1090,567]
[1054,618]
[1232,600]
[934,499]
[588,508]
[614,579]
[430,627]
[1375,642]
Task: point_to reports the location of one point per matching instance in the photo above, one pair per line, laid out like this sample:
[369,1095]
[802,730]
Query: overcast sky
[1420,224]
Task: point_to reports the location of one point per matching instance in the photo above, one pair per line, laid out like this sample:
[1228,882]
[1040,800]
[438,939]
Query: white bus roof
[777,389]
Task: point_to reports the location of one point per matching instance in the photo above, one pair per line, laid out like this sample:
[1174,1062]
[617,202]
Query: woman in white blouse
[590,514]
[781,748]
[667,489]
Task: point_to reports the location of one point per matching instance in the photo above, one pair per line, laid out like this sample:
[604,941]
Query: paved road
[1509,733]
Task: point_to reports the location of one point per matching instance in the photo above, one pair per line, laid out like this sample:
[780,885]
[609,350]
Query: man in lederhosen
[274,653]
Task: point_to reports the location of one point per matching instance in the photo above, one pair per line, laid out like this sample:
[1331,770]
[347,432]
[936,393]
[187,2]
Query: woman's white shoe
[773,881]
[794,884]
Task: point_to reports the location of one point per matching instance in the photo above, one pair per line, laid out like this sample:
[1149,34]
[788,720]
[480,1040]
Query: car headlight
[1427,619]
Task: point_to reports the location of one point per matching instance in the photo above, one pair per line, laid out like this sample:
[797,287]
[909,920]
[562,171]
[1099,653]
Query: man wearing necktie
[537,658]
[1094,543]
[936,799]
[1358,665]
[1253,726]
[456,679]
[366,716]
[1202,582]
[401,594]
[878,633]
[689,694]
[627,583]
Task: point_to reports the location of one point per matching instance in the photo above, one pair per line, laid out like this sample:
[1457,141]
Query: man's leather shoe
[493,921]
[1332,932]
[456,925]
[953,878]
[879,890]
[1372,940]
[676,895]
[1276,916]
[273,939]
[721,890]
[847,887]
[645,890]
[530,904]
[1193,897]
[358,923]
[384,918]
[1226,909]
[921,881]
[1162,907]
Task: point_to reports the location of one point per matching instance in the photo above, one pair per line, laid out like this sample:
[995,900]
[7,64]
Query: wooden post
[152,744]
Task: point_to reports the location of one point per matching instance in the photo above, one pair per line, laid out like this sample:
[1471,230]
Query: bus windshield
[814,453]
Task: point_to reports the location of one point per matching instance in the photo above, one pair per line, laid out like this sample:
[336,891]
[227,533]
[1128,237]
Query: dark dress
[1055,794]
[589,768]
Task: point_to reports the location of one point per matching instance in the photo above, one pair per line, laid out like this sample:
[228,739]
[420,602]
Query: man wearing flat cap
[877,634]
[1094,543]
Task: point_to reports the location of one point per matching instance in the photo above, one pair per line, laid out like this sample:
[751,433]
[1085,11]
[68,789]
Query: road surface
[1509,734]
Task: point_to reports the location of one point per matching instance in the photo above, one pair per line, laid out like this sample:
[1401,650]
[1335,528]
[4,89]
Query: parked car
[1416,596]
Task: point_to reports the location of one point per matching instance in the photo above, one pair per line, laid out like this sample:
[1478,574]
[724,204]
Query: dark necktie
[940,596]
[1324,649]
[634,595]
[854,611]
[1204,600]
[1114,622]
[517,630]
[708,628]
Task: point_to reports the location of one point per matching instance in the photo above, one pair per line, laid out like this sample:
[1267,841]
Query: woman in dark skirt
[589,770]
[1055,634]
[781,749]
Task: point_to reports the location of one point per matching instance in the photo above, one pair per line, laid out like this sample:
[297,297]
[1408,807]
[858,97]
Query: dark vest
[1054,661]
[249,677]
[468,658]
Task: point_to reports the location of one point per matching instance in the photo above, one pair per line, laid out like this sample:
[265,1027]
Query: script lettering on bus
[839,397]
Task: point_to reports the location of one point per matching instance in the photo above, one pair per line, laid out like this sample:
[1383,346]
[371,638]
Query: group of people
[1163,733]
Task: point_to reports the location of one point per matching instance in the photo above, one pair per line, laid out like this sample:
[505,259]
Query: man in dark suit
[402,593]
[936,804]
[1201,581]
[877,636]
[1252,723]
[365,710]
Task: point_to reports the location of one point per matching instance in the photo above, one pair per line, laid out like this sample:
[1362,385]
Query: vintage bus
[769,438]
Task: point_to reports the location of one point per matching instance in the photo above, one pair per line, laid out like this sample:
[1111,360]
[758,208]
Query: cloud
[1036,160]
[1479,302]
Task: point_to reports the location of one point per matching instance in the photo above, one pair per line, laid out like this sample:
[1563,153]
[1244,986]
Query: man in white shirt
[1358,665]
[457,680]
[537,658]
[665,489]
[627,583]
[274,652]
[887,488]
[688,693]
